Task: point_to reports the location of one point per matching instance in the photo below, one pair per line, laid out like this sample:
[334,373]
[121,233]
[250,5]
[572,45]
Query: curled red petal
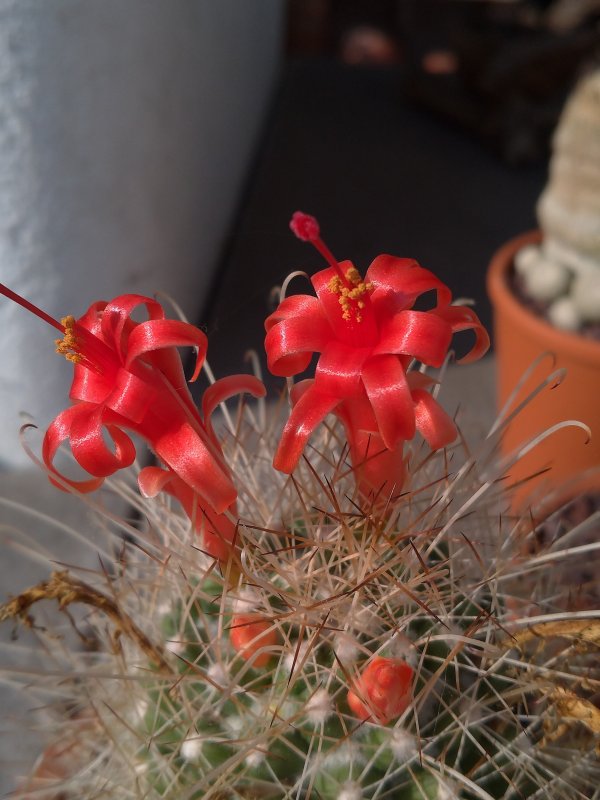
[296,330]
[116,317]
[152,480]
[339,369]
[157,334]
[433,423]
[296,306]
[419,334]
[59,431]
[225,388]
[309,411]
[92,319]
[462,318]
[399,281]
[363,333]
[91,451]
[385,382]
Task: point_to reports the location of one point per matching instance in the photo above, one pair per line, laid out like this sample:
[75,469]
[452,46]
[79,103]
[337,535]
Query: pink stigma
[305,227]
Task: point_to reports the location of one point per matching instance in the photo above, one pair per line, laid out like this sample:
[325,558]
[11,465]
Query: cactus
[346,641]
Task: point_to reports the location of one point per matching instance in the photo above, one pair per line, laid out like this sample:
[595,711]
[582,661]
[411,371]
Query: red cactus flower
[129,375]
[383,691]
[250,635]
[367,334]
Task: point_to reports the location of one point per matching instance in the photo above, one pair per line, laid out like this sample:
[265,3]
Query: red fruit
[249,634]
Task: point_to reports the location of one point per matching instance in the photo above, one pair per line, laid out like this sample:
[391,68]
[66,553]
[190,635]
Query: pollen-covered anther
[68,346]
[350,298]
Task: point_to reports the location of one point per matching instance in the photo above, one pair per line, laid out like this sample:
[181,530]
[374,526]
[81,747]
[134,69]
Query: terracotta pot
[520,338]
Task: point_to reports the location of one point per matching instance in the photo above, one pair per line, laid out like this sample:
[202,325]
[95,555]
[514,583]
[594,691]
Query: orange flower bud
[383,690]
[250,633]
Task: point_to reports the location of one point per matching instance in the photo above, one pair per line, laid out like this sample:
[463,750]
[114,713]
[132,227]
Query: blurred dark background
[420,128]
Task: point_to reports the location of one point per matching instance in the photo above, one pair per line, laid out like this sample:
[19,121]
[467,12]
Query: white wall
[126,129]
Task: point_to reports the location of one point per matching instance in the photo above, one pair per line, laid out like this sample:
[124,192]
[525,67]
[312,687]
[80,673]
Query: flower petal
[399,281]
[59,431]
[152,480]
[433,423]
[294,332]
[90,386]
[419,334]
[387,389]
[310,410]
[92,319]
[91,451]
[225,388]
[339,369]
[462,318]
[116,317]
[130,396]
[296,306]
[157,334]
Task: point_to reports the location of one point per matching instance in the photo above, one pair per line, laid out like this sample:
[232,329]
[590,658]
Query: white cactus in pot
[563,273]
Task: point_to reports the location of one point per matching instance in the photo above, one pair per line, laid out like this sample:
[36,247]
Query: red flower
[367,334]
[383,691]
[129,375]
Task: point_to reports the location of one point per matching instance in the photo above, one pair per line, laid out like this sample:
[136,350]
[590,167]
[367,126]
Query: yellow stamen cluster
[68,345]
[350,298]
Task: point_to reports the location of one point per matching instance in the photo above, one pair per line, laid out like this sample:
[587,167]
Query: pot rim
[501,296]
